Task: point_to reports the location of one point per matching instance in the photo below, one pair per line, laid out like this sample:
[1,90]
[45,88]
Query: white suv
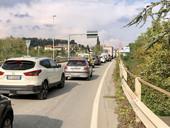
[30,75]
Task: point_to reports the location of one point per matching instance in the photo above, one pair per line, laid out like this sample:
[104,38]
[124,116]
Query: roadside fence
[61,59]
[143,113]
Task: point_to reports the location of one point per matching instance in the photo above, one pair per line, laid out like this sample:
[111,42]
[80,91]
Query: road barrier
[143,113]
[61,59]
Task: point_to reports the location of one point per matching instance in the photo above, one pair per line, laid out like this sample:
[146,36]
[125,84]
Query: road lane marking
[94,118]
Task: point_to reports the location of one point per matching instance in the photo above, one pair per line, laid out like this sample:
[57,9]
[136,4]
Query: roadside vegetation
[11,46]
[14,47]
[126,115]
[152,65]
[149,56]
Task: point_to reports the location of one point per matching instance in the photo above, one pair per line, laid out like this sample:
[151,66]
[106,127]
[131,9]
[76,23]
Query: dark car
[97,60]
[6,112]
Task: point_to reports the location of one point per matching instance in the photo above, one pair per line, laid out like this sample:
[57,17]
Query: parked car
[6,112]
[97,60]
[30,75]
[78,67]
[88,57]
[102,59]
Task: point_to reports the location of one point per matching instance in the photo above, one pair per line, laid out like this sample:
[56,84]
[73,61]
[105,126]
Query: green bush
[152,66]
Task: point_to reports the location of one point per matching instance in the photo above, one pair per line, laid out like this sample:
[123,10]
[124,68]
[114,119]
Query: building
[50,47]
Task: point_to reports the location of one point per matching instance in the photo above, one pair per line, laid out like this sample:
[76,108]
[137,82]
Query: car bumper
[77,74]
[7,89]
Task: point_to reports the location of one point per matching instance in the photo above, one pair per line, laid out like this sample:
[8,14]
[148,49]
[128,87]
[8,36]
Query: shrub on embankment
[152,65]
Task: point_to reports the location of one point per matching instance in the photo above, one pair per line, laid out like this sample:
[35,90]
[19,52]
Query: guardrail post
[120,67]
[138,93]
[138,88]
[124,73]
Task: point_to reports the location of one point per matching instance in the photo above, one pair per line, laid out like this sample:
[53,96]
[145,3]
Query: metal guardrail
[143,113]
[61,59]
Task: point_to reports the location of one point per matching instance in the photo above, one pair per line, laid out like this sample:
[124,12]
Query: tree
[161,14]
[152,66]
[97,49]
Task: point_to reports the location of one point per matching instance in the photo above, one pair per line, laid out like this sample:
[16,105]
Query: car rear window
[76,63]
[18,65]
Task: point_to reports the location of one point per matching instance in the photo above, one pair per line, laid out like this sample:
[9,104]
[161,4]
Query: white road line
[94,118]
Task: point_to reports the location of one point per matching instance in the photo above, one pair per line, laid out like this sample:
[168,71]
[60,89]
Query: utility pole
[54,34]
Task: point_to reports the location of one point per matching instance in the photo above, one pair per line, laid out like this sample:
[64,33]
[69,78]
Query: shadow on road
[53,92]
[35,121]
[83,79]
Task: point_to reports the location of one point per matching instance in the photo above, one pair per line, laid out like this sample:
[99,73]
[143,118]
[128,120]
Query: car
[6,112]
[97,60]
[30,75]
[78,67]
[106,55]
[102,59]
[88,57]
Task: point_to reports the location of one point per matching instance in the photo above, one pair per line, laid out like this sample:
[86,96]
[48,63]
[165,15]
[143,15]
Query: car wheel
[7,123]
[62,83]
[44,91]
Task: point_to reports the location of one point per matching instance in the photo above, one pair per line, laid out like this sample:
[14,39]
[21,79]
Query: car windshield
[84,56]
[76,63]
[18,65]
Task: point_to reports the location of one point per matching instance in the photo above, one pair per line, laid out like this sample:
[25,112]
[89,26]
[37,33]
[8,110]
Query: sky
[35,18]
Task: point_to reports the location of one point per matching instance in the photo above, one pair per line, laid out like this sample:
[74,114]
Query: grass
[126,115]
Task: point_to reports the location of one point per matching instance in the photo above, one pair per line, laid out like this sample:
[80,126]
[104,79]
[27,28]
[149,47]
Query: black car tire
[62,83]
[7,122]
[44,91]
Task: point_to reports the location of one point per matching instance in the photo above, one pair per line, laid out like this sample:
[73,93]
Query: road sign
[28,42]
[120,46]
[92,34]
[125,49]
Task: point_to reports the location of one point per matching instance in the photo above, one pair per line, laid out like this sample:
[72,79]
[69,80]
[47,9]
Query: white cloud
[72,16]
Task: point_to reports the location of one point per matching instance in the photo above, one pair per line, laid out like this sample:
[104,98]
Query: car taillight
[1,73]
[85,68]
[66,67]
[31,85]
[33,73]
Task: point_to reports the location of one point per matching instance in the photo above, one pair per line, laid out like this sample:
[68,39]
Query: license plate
[13,77]
[75,69]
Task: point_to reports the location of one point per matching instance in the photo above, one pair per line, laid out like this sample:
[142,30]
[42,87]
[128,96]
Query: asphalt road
[70,107]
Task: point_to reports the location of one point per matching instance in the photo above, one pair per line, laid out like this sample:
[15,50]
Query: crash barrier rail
[143,113]
[61,59]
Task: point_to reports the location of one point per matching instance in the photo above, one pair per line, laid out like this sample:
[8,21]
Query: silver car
[78,67]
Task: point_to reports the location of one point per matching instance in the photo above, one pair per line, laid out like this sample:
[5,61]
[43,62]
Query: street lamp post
[54,34]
